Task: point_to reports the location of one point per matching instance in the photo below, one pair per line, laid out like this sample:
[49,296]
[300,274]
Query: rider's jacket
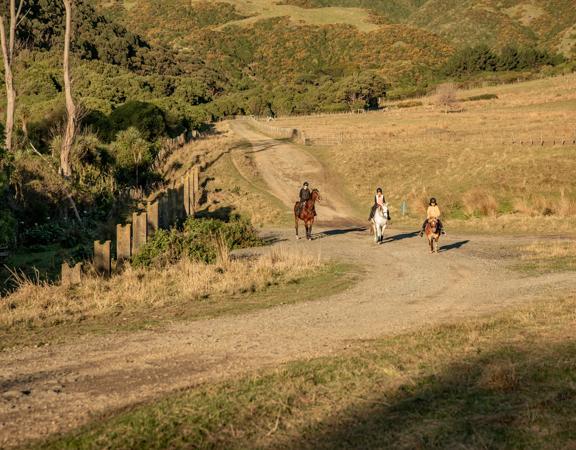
[433,212]
[304,194]
[379,200]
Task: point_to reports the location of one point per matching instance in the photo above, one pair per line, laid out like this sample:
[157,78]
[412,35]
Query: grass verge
[143,299]
[548,256]
[502,382]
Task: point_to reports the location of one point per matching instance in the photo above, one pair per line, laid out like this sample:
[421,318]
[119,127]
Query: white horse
[379,222]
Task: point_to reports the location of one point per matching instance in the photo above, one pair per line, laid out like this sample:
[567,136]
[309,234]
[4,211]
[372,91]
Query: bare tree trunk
[8,44]
[69,135]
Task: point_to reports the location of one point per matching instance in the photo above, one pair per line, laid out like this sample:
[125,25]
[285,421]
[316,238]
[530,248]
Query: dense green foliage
[481,58]
[199,240]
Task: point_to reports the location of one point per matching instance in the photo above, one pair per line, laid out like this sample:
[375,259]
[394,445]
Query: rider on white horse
[379,201]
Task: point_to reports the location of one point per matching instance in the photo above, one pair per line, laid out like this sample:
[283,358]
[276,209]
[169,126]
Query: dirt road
[57,388]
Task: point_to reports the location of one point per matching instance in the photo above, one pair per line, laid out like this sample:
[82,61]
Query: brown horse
[306,214]
[432,234]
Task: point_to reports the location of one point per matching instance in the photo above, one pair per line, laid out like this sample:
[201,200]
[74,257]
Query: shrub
[131,151]
[198,241]
[411,104]
[481,97]
[446,96]
[146,117]
[480,203]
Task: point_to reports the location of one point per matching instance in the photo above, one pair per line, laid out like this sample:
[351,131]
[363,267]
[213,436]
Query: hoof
[298,237]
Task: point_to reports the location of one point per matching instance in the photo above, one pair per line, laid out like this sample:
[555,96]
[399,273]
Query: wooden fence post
[102,258]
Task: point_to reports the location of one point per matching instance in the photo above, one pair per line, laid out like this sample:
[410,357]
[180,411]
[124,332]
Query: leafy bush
[197,241]
[132,153]
[146,117]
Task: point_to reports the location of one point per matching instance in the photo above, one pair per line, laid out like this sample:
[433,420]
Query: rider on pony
[379,200]
[433,212]
[305,195]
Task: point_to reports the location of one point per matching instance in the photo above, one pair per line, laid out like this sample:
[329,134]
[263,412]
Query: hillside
[547,23]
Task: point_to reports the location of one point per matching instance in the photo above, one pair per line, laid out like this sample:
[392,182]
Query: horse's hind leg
[296,226]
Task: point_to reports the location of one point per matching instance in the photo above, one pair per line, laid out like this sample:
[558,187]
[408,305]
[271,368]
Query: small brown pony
[432,234]
[306,214]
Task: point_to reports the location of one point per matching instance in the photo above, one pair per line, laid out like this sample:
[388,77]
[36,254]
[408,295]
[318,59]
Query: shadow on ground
[400,237]
[453,246]
[507,398]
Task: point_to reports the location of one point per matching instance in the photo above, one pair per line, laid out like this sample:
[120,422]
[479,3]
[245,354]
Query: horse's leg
[309,231]
[296,225]
[375,231]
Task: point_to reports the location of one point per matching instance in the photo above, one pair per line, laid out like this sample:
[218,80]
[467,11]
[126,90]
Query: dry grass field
[505,162]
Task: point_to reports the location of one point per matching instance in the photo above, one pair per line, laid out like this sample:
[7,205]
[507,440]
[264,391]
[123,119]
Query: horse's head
[316,195]
[433,222]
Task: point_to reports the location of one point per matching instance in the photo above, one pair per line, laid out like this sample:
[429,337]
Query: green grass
[501,382]
[329,280]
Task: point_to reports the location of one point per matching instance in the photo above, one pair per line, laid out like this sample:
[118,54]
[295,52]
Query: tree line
[481,58]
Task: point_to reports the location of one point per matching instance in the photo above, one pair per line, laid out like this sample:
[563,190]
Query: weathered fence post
[102,258]
[123,242]
[172,207]
[180,196]
[71,276]
[139,231]
[188,196]
[196,185]
[152,217]
[163,212]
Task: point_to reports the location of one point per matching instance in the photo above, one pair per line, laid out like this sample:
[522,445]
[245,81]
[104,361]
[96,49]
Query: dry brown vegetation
[43,304]
[486,164]
[547,256]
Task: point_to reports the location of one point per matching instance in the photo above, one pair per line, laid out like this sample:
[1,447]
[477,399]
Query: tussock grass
[40,304]
[502,382]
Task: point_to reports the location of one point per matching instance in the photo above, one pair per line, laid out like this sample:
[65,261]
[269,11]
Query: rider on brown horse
[379,200]
[305,195]
[433,212]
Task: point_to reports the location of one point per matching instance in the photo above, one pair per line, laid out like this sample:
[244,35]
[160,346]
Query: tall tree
[8,43]
[71,112]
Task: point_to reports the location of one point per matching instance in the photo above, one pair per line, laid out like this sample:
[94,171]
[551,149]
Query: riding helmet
[433,200]
[305,183]
[379,190]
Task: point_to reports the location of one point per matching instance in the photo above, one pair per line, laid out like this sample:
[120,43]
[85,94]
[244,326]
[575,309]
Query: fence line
[163,210]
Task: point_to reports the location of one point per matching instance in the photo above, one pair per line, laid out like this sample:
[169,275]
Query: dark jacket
[305,194]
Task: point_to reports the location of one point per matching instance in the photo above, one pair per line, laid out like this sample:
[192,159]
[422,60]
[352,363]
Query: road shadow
[339,231]
[400,237]
[453,246]
[336,232]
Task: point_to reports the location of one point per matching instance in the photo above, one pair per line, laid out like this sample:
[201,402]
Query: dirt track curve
[68,385]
